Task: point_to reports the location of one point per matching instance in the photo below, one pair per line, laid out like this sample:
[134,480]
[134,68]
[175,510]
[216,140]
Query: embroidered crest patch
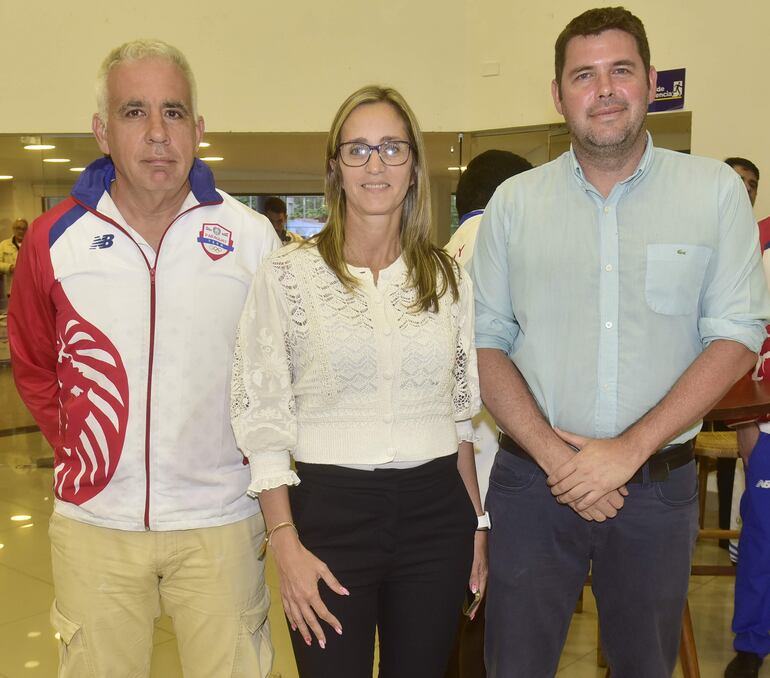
[216,240]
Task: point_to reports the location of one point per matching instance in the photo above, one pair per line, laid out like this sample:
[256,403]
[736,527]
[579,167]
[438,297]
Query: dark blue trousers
[540,553]
[751,621]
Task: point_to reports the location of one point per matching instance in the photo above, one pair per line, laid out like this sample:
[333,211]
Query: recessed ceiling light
[454,169]
[27,525]
[19,518]
[31,664]
[75,169]
[39,147]
[56,160]
[6,177]
[34,634]
[213,158]
[204,144]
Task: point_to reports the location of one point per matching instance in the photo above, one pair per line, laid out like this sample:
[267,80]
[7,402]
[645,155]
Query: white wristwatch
[484,522]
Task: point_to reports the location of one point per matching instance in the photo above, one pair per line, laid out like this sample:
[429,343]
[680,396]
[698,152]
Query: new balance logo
[763,484]
[102,242]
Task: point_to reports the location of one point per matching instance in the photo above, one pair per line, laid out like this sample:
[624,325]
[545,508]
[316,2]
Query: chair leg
[579,604]
[688,655]
[600,660]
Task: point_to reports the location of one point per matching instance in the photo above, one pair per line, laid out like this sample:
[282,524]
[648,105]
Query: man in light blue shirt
[619,294]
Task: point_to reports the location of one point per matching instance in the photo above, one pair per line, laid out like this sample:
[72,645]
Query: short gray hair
[136,50]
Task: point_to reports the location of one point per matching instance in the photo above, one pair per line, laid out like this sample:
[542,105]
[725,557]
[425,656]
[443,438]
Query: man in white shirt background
[474,189]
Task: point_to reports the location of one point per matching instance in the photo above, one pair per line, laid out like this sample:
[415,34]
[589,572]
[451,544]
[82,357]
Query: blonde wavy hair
[431,271]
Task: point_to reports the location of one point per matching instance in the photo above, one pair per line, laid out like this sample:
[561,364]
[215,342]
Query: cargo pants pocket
[74,660]
[254,652]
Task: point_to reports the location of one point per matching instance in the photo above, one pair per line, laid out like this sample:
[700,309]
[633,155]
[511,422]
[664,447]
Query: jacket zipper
[152,270]
[149,392]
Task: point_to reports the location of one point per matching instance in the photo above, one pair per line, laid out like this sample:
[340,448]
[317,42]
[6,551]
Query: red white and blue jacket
[124,356]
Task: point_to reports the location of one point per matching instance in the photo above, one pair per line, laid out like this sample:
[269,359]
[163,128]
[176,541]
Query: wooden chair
[710,446]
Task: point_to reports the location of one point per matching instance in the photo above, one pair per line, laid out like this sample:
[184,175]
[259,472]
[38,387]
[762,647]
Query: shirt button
[388,418]
[388,375]
[378,300]
[606,387]
[608,268]
[607,210]
[386,331]
[608,325]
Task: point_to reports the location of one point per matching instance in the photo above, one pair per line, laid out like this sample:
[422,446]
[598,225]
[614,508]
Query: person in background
[9,251]
[729,486]
[619,295]
[122,327]
[355,356]
[749,174]
[751,617]
[275,211]
[475,187]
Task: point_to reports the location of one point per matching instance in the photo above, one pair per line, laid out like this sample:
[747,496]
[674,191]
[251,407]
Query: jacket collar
[97,177]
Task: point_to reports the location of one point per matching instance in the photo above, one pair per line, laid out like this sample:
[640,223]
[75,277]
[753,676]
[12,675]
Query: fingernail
[345,592]
[293,627]
[338,629]
[474,588]
[308,641]
[322,643]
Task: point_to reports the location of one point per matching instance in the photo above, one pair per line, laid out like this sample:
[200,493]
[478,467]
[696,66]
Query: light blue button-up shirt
[603,303]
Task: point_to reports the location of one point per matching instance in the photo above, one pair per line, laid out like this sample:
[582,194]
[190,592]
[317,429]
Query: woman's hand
[299,571]
[478,580]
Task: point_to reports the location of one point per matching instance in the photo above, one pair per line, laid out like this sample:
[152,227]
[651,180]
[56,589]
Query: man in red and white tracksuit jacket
[122,334]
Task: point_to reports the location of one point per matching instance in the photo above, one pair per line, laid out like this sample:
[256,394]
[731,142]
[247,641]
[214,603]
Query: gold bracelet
[273,530]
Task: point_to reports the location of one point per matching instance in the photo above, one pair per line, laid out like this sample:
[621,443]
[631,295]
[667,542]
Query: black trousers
[401,541]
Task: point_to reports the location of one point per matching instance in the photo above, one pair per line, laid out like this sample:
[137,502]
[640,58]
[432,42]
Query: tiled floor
[28,648]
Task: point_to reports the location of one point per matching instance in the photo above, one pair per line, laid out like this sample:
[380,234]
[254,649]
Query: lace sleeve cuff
[269,470]
[465,431]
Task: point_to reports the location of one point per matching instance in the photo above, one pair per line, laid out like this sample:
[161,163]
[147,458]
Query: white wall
[285,66]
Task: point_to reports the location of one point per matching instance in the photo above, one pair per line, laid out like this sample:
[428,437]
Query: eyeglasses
[357,153]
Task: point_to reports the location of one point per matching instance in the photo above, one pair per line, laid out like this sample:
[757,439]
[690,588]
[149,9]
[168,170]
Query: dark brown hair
[596,21]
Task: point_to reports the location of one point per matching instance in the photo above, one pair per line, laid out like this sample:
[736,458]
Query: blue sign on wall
[669,95]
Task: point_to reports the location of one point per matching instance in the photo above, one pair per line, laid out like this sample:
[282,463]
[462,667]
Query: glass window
[306,213]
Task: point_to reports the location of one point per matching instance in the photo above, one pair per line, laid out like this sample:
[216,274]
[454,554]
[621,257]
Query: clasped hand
[594,479]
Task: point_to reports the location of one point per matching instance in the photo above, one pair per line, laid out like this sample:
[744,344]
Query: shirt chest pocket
[674,277]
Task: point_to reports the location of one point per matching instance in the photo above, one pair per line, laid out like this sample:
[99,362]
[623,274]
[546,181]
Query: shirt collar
[468,215]
[391,272]
[645,163]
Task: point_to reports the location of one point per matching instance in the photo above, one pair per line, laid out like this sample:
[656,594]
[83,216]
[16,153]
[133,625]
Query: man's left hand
[601,465]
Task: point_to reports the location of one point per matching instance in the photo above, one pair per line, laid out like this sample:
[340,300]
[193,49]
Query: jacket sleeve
[32,333]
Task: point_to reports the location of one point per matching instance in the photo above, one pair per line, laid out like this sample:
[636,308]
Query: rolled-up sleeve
[467,396]
[262,400]
[735,303]
[496,325]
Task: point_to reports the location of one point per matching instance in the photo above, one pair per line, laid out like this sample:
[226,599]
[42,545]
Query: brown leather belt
[658,465]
